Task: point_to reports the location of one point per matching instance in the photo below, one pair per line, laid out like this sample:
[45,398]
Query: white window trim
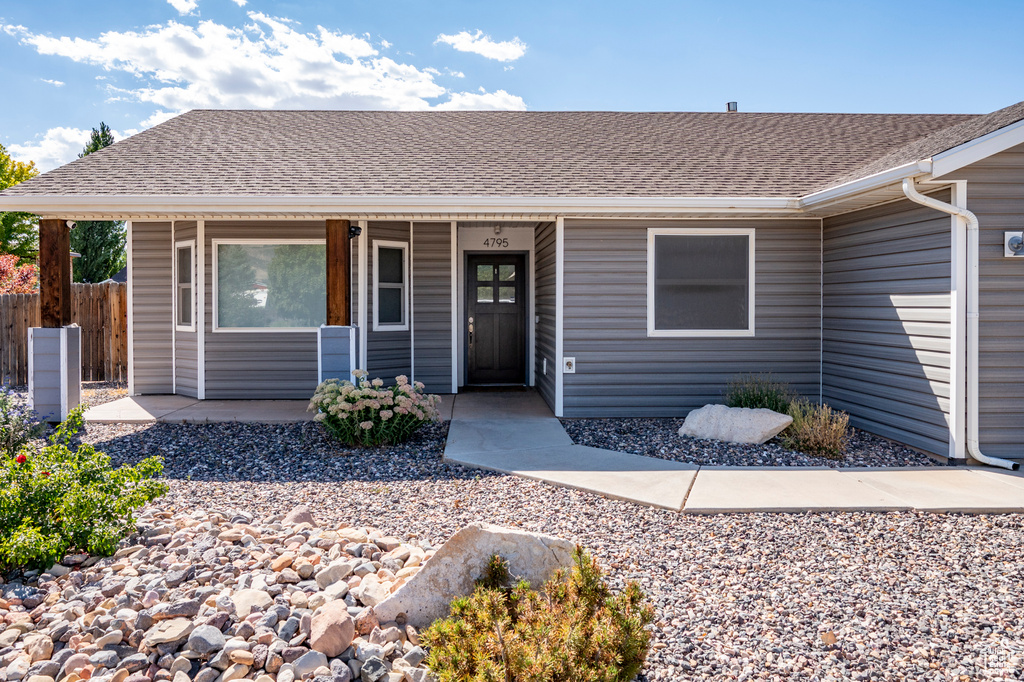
[377,326]
[189,244]
[696,231]
[217,329]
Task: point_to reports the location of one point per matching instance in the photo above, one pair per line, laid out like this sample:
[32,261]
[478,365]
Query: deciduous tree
[19,232]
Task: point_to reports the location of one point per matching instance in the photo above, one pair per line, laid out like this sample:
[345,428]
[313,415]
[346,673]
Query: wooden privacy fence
[101,310]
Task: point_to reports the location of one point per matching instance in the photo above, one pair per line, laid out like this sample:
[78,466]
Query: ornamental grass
[370,413]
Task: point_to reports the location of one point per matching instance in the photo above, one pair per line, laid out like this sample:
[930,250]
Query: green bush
[572,629]
[817,430]
[18,424]
[759,391]
[370,413]
[61,500]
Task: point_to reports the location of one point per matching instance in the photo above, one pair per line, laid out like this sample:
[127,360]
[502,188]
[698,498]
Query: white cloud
[269,63]
[478,43]
[183,6]
[54,148]
[385,44]
[499,100]
[266,64]
[56,84]
[241,3]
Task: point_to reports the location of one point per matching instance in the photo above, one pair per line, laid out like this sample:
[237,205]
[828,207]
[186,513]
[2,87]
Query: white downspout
[973,334]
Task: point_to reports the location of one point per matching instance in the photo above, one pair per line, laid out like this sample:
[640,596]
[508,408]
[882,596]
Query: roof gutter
[973,318]
[344,206]
[893,176]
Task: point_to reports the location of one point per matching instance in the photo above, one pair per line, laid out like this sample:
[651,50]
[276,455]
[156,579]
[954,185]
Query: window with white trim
[700,282]
[185,286]
[269,286]
[390,286]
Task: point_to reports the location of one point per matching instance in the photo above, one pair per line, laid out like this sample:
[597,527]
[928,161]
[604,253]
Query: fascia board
[865,184]
[980,148]
[327,205]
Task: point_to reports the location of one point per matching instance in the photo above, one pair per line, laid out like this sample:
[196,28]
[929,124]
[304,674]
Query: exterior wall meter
[1013,244]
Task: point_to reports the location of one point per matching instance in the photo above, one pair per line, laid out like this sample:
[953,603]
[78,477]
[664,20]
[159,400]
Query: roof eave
[85,206]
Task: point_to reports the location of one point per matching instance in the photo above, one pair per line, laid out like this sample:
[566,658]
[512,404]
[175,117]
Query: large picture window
[700,282]
[279,286]
[390,286]
[184,286]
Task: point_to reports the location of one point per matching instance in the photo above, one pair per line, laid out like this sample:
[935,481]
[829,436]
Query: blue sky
[66,65]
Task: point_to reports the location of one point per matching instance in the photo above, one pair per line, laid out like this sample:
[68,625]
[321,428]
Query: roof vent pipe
[973,447]
[731,107]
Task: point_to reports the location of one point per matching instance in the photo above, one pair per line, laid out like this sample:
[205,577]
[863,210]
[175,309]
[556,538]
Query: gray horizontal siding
[186,344]
[432,305]
[152,315]
[995,193]
[258,365]
[388,354]
[886,321]
[622,372]
[545,300]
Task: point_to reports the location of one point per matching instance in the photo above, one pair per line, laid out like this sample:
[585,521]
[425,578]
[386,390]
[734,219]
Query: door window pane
[484,273]
[185,306]
[271,285]
[485,294]
[506,273]
[507,294]
[184,265]
[701,282]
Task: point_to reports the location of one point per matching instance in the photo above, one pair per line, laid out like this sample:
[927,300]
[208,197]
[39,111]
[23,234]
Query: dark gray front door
[496,318]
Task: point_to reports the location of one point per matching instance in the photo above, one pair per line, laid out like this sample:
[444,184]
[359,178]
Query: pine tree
[18,231]
[101,244]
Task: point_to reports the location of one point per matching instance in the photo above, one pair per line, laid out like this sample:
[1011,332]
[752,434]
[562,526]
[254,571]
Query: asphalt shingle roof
[510,154]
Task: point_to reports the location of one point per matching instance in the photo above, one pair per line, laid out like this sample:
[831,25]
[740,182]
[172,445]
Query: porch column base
[54,371]
[337,352]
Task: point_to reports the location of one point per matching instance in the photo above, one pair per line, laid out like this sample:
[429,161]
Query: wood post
[54,273]
[339,273]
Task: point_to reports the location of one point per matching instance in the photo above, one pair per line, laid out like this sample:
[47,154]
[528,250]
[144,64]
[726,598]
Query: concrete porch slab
[646,480]
[783,489]
[1014,478]
[502,405]
[256,411]
[945,489]
[497,435]
[138,409]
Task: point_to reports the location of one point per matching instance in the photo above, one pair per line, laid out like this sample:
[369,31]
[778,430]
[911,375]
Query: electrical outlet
[568,365]
[1013,244]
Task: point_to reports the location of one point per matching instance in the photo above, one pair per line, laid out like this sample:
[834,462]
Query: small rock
[245,600]
[206,639]
[308,662]
[234,672]
[373,670]
[297,515]
[243,657]
[332,629]
[38,647]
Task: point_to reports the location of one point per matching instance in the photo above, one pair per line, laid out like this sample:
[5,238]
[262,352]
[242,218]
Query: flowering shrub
[17,279]
[63,499]
[18,424]
[368,413]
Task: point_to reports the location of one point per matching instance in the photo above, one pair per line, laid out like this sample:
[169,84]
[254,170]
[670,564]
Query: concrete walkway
[516,433]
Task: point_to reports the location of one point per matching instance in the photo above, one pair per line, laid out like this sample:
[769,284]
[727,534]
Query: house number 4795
[496,242]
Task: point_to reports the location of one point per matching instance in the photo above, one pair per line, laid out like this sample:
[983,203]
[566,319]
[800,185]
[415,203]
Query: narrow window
[185,284]
[390,286]
[700,283]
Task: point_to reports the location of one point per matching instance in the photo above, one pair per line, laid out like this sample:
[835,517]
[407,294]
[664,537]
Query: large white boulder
[451,572]
[734,424]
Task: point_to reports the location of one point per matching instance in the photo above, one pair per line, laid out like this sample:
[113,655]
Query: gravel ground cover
[93,392]
[660,438]
[894,596]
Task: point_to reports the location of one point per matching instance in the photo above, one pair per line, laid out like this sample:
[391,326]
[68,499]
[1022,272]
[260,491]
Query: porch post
[54,273]
[55,348]
[337,350]
[339,274]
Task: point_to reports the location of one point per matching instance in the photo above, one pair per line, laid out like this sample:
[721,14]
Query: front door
[496,318]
